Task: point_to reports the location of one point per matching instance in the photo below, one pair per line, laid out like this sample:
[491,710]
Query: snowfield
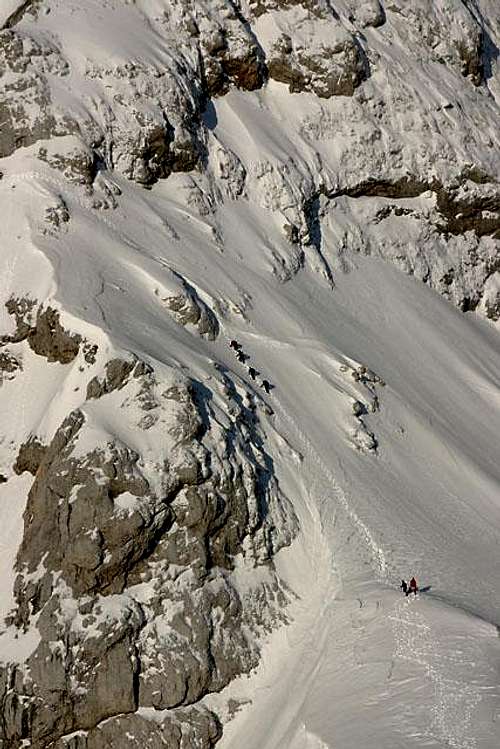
[361,665]
[352,256]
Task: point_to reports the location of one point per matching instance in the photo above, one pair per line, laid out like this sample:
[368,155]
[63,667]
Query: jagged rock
[141,142]
[179,729]
[8,362]
[336,69]
[366,376]
[490,302]
[89,352]
[364,440]
[147,142]
[9,365]
[141,150]
[30,456]
[230,171]
[291,233]
[56,215]
[94,652]
[130,539]
[358,408]
[99,532]
[26,109]
[71,156]
[231,55]
[368,13]
[117,373]
[45,335]
[23,7]
[48,338]
[470,207]
[22,310]
[450,31]
[317,8]
[189,309]
[96,537]
[150,125]
[185,662]
[463,221]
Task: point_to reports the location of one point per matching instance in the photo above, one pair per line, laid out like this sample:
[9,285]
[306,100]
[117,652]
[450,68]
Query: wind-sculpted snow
[292,174]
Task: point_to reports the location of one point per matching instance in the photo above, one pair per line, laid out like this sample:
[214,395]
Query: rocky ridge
[130,542]
[120,553]
[154,123]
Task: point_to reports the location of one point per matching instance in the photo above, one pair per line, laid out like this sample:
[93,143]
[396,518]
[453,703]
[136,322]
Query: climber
[266,385]
[241,356]
[234,345]
[413,587]
[252,372]
[404,586]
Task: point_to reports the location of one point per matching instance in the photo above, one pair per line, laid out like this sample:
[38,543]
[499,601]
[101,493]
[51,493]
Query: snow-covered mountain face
[318,180]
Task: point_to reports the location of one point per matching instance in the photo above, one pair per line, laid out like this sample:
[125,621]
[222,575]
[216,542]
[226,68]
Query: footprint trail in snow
[453,700]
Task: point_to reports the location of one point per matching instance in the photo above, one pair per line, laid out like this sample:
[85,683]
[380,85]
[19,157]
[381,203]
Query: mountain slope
[319,182]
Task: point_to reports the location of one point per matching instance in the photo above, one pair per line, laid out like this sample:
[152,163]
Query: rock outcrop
[147,120]
[125,570]
[334,69]
[138,168]
[310,48]
[9,365]
[26,107]
[182,728]
[45,334]
[188,308]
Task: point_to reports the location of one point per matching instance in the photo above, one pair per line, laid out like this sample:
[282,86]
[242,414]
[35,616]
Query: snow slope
[392,470]
[362,665]
[359,665]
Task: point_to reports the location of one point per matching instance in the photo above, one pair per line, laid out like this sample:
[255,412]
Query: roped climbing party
[243,358]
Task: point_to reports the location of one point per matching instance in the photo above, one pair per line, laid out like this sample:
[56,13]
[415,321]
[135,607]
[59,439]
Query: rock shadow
[209,116]
[250,442]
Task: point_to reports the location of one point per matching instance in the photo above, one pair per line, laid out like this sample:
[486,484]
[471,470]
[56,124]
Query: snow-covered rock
[292,174]
[125,564]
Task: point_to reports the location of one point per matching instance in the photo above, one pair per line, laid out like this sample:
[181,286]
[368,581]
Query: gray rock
[337,71]
[368,13]
[48,338]
[117,373]
[84,554]
[179,729]
[45,334]
[9,366]
[189,309]
[364,440]
[358,408]
[30,456]
[71,156]
[26,110]
[22,309]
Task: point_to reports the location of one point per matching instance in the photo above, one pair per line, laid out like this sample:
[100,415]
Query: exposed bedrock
[316,131]
[43,331]
[125,569]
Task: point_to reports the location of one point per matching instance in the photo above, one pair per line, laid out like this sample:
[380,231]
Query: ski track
[454,700]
